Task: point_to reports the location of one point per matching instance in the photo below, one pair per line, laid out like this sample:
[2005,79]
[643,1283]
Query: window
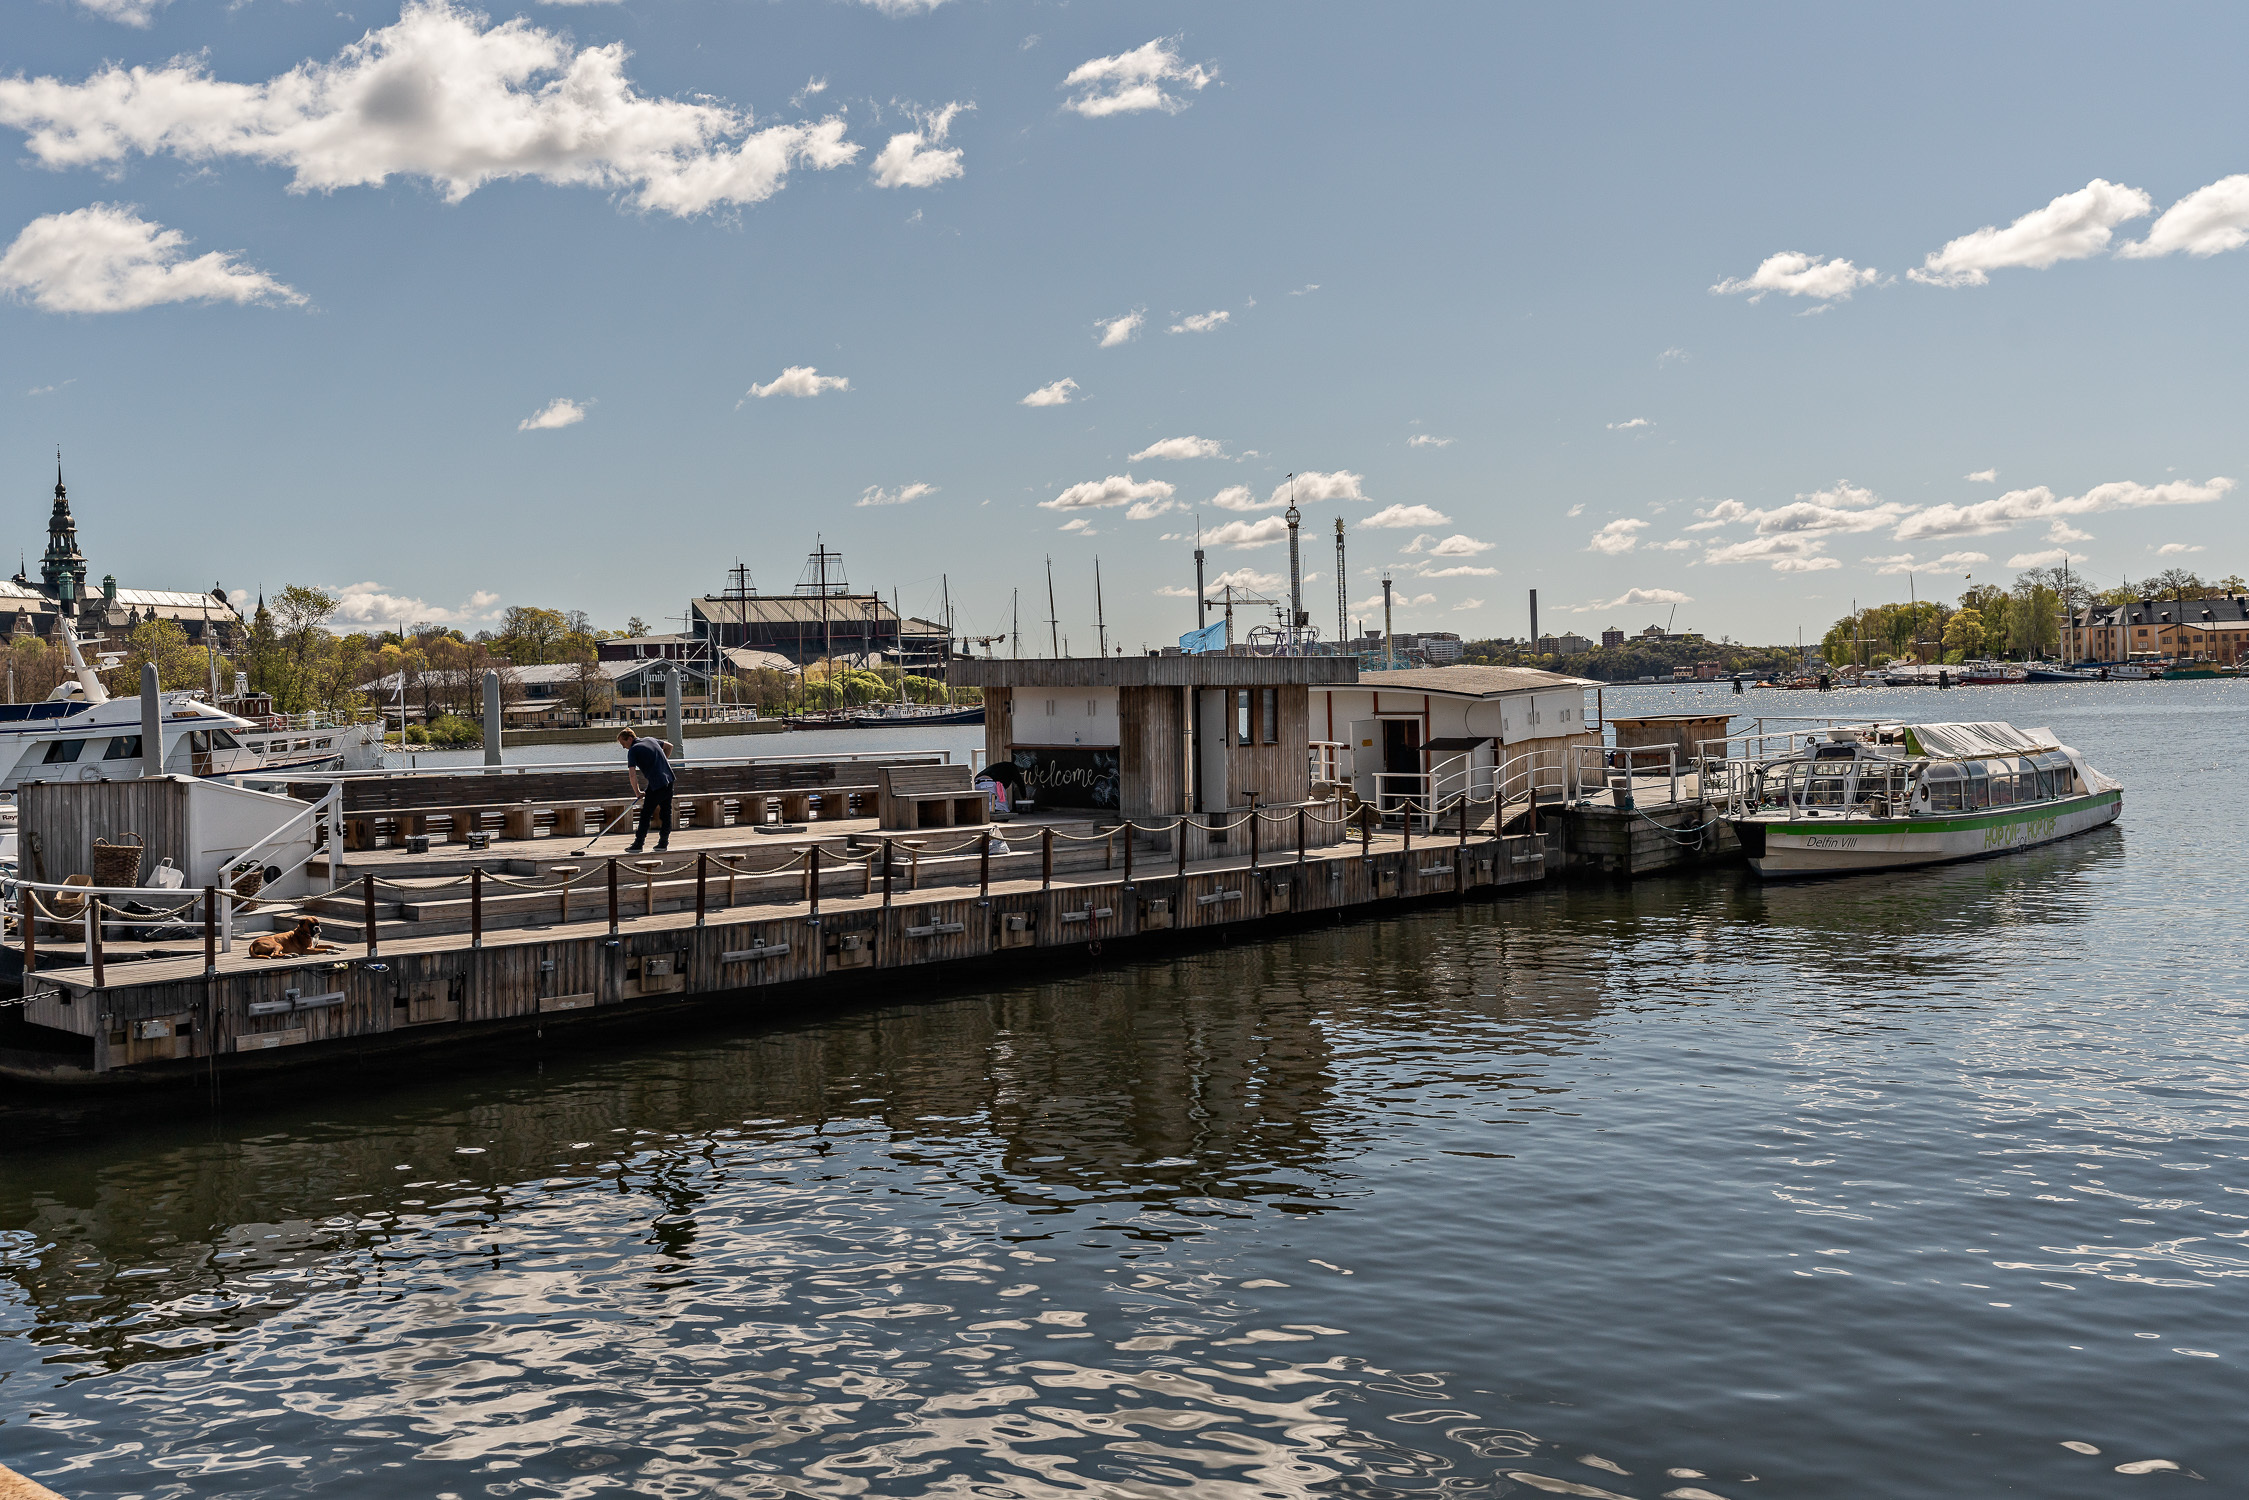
[1270,712]
[63,752]
[1092,707]
[124,747]
[1050,708]
[221,740]
[1241,716]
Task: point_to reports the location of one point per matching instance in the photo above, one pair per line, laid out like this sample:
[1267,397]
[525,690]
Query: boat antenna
[1053,623]
[1015,621]
[1100,617]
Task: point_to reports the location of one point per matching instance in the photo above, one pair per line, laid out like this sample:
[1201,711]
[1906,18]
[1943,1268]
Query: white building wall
[1064,716]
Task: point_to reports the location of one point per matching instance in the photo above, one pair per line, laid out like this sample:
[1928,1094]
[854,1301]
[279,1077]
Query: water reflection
[1858,1187]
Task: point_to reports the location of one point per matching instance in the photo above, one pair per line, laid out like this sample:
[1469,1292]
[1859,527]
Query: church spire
[63,567]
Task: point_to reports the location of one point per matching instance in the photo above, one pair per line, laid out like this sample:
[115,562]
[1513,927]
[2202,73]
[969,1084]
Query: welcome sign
[1068,775]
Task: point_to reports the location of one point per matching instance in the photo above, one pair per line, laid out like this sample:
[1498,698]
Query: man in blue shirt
[651,776]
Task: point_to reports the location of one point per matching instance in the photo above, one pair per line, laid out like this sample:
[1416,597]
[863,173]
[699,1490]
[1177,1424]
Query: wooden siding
[60,821]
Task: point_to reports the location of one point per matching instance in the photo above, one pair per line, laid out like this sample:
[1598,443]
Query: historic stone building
[62,591]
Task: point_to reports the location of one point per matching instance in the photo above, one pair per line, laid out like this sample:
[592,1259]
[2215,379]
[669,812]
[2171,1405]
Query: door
[1366,758]
[1401,757]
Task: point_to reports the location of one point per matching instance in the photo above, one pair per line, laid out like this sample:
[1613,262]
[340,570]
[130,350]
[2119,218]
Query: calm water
[1882,1187]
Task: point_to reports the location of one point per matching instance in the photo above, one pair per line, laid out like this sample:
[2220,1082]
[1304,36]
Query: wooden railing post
[612,896]
[812,877]
[1182,840]
[702,882]
[889,854]
[1046,858]
[1300,821]
[367,910]
[476,907]
[1128,851]
[984,867]
[210,934]
[94,938]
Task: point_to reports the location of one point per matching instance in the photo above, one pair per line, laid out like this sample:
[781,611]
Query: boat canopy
[1969,740]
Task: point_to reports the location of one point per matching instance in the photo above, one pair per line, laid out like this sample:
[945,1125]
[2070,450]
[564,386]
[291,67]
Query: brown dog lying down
[295,943]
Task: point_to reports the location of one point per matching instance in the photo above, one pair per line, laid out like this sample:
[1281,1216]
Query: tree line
[2022,621]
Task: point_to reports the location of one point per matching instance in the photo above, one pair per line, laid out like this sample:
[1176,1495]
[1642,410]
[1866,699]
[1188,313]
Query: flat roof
[1470,682]
[1206,670]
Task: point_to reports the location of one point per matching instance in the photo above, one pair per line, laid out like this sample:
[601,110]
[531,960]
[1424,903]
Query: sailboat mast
[1053,621]
[1100,617]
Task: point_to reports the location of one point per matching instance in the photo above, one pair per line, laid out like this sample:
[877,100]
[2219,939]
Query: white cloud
[1057,394]
[1407,515]
[1135,80]
[442,95]
[905,494]
[1467,604]
[1182,447]
[1424,440]
[1202,322]
[2206,221]
[2072,227]
[1313,487]
[1372,603]
[1248,580]
[1845,508]
[1617,537]
[370,604]
[1574,511]
[1306,290]
[2062,531]
[1455,545]
[1174,591]
[1239,497]
[2051,558]
[1632,599]
[1257,533]
[1785,552]
[1676,544]
[2177,549]
[1673,356]
[1459,570]
[1148,510]
[1080,524]
[125,12]
[1797,275]
[1115,331]
[560,412]
[107,258]
[1628,426]
[814,85]
[904,7]
[1724,513]
[800,380]
[49,390]
[1982,476]
[2041,504]
[1100,494]
[1906,562]
[918,158]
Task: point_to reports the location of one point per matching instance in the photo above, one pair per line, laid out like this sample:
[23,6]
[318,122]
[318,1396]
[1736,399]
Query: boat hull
[1784,849]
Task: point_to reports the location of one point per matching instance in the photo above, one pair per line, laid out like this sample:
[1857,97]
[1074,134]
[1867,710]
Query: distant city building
[62,593]
[822,618]
[2212,629]
[1563,645]
[1611,637]
[1653,633]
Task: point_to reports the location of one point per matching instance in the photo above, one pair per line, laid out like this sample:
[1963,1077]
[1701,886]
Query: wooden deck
[162,1011]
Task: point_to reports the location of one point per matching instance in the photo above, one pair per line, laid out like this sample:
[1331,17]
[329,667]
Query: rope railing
[103,909]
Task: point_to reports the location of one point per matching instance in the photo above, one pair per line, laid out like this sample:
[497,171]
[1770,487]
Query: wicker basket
[118,864]
[246,885]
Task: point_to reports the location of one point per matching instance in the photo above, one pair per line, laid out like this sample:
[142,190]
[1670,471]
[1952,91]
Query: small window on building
[1269,716]
[1241,716]
[1050,708]
[1092,707]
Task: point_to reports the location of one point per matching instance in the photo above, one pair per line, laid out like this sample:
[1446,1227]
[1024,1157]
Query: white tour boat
[1890,796]
[80,733]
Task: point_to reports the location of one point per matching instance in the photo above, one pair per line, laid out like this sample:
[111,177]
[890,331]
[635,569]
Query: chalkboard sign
[1068,775]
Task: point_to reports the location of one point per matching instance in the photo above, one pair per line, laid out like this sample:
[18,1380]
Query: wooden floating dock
[177,1016]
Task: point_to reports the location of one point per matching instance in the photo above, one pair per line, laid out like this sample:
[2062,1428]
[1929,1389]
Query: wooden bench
[930,797]
[577,802]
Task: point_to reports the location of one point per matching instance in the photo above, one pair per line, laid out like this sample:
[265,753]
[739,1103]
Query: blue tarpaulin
[1209,638]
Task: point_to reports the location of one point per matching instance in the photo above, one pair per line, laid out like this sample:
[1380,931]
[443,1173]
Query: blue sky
[1636,307]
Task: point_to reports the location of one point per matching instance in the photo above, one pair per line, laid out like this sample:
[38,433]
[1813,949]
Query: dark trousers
[656,813]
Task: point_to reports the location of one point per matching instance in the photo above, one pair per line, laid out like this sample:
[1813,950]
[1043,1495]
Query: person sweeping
[651,776]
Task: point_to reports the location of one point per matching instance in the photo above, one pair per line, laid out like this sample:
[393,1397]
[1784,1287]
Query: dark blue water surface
[1895,1185]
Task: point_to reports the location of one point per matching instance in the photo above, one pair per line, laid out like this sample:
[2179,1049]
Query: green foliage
[416,735]
[453,732]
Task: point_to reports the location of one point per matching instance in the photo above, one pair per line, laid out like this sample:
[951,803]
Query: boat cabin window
[124,747]
[1827,791]
[1946,786]
[63,752]
[2001,776]
[221,740]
